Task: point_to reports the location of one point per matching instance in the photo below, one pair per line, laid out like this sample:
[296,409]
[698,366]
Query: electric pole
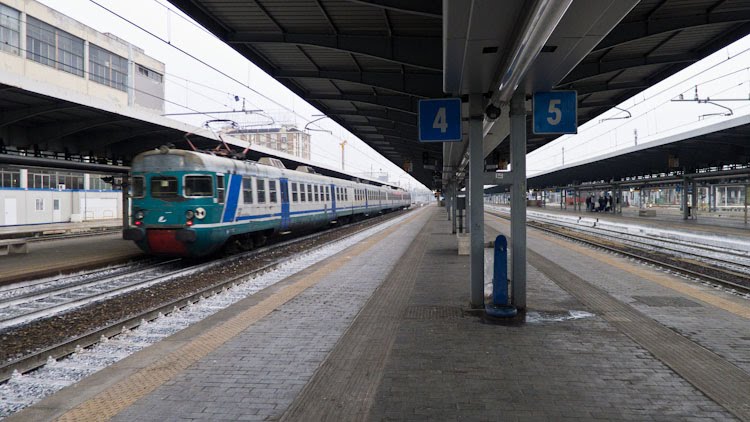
[342,153]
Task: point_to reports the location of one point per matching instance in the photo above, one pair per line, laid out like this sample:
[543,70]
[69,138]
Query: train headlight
[189,214]
[139,215]
[200,213]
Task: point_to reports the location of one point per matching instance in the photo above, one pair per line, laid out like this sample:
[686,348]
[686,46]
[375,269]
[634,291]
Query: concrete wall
[148,92]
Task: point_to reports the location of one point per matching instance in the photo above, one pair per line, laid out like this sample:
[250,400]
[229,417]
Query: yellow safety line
[670,282]
[119,396]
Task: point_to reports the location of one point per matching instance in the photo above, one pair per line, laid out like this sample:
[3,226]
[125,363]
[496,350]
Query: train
[196,203]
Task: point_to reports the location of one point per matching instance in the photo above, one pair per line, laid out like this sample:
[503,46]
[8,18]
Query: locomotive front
[177,204]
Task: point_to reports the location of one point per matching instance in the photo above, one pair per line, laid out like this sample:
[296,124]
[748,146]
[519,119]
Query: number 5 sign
[555,112]
[440,120]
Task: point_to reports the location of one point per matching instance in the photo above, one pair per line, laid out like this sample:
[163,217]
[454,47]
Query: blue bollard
[500,273]
[500,308]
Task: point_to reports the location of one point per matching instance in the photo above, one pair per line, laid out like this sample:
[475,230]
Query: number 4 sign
[440,120]
[555,112]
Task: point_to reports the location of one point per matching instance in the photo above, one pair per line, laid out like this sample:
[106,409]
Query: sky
[194,87]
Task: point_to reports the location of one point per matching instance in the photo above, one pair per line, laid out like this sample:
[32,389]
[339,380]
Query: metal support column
[745,204]
[125,203]
[684,199]
[695,200]
[518,199]
[454,203]
[468,197]
[476,193]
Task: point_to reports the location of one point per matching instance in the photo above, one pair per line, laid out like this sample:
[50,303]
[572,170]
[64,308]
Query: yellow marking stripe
[670,282]
[119,396]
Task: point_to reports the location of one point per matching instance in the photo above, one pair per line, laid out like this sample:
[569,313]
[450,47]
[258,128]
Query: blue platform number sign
[555,112]
[440,120]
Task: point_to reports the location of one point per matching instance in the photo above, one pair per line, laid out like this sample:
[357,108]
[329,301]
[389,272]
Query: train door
[285,215]
[333,200]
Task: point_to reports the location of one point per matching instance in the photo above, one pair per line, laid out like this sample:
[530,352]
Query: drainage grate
[433,312]
[663,301]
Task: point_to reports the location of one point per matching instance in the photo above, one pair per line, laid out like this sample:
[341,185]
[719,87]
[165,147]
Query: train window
[261,191]
[247,190]
[272,191]
[309,193]
[220,188]
[302,196]
[294,192]
[163,187]
[328,193]
[197,186]
[138,187]
[315,189]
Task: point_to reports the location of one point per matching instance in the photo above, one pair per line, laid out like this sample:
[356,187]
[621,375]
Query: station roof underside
[710,150]
[59,134]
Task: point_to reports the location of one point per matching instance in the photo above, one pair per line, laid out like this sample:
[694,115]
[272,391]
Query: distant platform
[54,229]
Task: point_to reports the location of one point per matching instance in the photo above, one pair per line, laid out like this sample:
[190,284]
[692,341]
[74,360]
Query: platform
[381,331]
[47,229]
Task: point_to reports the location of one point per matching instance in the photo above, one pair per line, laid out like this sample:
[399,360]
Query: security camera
[492,111]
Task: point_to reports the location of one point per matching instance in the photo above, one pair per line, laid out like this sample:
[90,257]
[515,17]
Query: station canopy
[367,63]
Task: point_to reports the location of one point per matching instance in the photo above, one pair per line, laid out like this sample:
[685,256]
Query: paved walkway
[380,332]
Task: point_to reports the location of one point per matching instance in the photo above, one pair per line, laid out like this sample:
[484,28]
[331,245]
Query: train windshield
[198,186]
[138,187]
[163,187]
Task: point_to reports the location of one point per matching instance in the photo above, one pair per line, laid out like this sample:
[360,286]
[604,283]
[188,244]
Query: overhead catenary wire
[219,71]
[656,94]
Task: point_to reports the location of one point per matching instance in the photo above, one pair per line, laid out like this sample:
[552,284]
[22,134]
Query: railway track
[181,286]
[732,271]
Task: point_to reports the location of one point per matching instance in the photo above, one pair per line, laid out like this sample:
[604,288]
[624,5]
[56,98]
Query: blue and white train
[187,203]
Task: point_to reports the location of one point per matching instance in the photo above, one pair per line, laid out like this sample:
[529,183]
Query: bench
[646,213]
[12,246]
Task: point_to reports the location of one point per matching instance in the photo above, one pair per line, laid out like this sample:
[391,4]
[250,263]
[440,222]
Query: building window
[148,73]
[261,191]
[247,190]
[108,68]
[39,204]
[10,24]
[50,46]
[39,180]
[10,178]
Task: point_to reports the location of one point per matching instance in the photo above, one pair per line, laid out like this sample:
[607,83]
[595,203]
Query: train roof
[169,159]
